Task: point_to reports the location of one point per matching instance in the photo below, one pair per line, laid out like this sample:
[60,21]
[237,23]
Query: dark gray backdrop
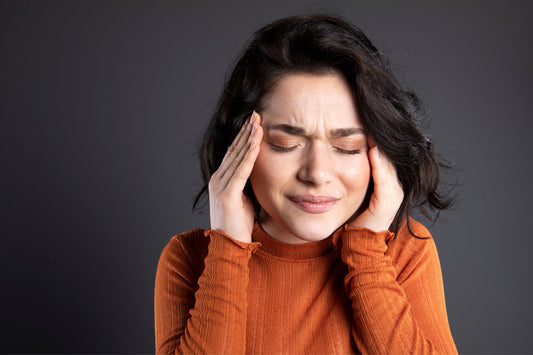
[102,104]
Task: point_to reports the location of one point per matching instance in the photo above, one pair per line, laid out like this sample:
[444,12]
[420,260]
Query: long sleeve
[397,293]
[206,314]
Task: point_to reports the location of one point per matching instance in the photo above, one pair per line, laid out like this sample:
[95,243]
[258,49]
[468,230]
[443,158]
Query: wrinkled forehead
[317,103]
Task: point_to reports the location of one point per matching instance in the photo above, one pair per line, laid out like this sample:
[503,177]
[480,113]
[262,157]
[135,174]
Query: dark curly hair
[320,44]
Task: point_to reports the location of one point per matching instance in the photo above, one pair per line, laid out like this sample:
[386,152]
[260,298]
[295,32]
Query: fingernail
[254,128]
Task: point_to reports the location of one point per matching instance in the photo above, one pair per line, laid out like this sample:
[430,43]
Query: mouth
[314,204]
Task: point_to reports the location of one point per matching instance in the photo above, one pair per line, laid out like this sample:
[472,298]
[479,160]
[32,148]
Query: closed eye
[344,151]
[279,149]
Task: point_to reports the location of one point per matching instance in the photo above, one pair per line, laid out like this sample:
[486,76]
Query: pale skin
[320,161]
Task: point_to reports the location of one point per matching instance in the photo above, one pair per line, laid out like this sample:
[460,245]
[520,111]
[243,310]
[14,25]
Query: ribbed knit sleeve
[397,294]
[216,322]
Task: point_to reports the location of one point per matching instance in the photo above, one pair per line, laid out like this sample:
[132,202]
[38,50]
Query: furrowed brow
[295,131]
[345,132]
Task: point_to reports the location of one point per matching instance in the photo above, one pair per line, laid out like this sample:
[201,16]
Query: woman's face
[312,171]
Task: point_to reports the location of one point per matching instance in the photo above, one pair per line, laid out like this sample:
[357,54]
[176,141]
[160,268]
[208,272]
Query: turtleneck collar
[291,251]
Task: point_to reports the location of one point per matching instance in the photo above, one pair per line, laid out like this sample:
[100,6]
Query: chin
[312,231]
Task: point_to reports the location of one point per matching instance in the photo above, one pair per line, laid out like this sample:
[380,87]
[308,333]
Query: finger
[236,145]
[246,165]
[384,174]
[233,165]
[234,160]
[382,167]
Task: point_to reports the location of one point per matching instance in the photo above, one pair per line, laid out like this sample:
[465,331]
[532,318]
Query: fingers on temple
[236,146]
[238,161]
[381,166]
[384,173]
[245,163]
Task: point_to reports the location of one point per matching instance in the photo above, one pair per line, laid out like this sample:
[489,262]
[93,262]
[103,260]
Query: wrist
[370,222]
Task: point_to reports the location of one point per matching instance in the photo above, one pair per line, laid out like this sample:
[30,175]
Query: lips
[314,203]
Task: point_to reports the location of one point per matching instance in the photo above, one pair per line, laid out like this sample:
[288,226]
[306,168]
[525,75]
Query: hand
[230,210]
[387,196]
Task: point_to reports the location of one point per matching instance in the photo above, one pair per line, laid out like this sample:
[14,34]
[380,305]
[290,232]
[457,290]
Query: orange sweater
[355,292]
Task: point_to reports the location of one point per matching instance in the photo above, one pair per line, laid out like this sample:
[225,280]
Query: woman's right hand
[230,210]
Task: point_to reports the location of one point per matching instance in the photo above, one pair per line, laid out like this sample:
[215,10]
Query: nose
[317,166]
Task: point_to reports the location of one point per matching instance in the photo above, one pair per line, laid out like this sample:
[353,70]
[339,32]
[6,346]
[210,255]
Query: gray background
[102,104]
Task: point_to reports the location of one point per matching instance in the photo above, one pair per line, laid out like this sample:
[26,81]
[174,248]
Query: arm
[396,310]
[207,316]
[396,287]
[217,323]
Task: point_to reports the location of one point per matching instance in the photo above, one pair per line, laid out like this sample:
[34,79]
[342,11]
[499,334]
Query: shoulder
[189,244]
[412,249]
[184,254]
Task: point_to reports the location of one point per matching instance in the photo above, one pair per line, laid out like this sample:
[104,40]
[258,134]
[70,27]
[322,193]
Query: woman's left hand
[386,198]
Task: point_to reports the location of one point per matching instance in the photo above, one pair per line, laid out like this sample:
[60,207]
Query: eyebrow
[345,132]
[298,131]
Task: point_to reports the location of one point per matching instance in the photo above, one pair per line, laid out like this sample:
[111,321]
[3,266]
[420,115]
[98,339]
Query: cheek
[263,178]
[257,176]
[357,176]
[272,175]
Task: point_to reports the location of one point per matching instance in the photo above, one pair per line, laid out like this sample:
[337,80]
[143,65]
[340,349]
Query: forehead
[313,101]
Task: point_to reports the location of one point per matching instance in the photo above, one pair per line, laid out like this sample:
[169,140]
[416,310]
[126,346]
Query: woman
[312,163]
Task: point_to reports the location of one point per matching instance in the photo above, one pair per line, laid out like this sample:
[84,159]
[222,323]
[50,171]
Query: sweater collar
[291,251]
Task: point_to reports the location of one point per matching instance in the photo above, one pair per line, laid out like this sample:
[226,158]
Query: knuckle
[231,149]
[234,164]
[214,178]
[213,184]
